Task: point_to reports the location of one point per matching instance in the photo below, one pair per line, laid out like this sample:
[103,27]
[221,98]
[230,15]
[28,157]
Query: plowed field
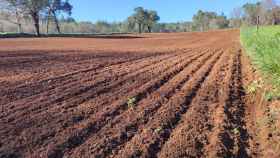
[157,95]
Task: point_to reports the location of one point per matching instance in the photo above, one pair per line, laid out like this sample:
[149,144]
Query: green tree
[143,18]
[130,22]
[54,8]
[139,18]
[201,20]
[219,22]
[152,19]
[103,27]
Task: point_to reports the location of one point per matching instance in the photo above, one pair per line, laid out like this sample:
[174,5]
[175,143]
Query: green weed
[236,131]
[131,102]
[253,87]
[264,49]
[158,130]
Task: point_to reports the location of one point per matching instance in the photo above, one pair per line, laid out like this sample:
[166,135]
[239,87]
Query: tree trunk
[56,23]
[275,21]
[18,22]
[20,28]
[258,23]
[35,17]
[149,29]
[139,28]
[1,27]
[48,21]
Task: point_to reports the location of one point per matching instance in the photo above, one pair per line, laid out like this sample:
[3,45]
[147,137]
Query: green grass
[263,47]
[5,33]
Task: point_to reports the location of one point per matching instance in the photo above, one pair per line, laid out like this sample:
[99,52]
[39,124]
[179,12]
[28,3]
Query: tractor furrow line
[148,141]
[120,106]
[190,137]
[123,129]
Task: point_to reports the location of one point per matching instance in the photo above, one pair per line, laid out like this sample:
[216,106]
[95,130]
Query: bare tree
[12,12]
[268,4]
[276,15]
[236,17]
[32,8]
[273,11]
[252,12]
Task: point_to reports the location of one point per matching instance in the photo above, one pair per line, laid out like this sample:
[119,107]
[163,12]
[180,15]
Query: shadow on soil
[104,36]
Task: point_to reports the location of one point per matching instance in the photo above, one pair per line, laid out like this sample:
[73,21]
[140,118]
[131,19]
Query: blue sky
[168,10]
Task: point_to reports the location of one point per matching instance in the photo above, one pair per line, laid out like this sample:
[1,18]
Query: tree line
[34,10]
[54,16]
[265,12]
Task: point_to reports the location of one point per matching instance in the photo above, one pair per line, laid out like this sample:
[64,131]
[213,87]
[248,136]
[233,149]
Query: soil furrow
[31,122]
[190,138]
[74,78]
[147,142]
[54,72]
[122,128]
[94,124]
[231,138]
[72,102]
[96,87]
[100,101]
[161,95]
[52,98]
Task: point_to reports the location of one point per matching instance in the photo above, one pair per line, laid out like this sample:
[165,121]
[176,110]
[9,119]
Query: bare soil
[68,97]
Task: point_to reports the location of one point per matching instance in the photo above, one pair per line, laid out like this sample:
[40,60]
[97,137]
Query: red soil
[67,97]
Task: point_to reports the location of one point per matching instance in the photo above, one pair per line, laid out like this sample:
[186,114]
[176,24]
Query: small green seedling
[131,102]
[272,95]
[269,96]
[253,87]
[235,131]
[158,130]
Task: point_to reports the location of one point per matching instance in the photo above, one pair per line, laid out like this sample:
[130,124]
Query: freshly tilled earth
[157,95]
